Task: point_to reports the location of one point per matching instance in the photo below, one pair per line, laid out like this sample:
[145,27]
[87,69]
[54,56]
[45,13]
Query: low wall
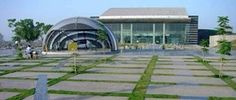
[213,39]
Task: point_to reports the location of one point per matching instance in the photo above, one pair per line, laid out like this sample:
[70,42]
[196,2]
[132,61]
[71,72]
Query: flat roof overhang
[144,19]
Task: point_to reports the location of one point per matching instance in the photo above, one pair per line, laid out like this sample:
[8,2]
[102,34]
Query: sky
[53,11]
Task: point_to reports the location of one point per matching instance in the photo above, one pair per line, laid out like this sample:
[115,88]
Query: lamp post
[137,42]
[19,54]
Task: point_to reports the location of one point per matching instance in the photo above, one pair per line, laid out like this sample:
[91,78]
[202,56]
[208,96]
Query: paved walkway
[180,62]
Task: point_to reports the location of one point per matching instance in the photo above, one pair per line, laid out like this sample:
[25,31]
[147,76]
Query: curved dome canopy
[82,30]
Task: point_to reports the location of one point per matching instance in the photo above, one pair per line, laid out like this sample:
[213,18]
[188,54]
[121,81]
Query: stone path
[111,77]
[116,80]
[192,80]
[94,87]
[33,74]
[180,62]
[15,83]
[80,97]
[5,95]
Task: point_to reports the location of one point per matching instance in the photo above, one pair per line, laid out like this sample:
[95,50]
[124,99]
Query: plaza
[117,50]
[170,78]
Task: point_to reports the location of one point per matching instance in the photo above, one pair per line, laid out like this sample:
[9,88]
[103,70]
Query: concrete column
[164,34]
[131,33]
[154,34]
[121,33]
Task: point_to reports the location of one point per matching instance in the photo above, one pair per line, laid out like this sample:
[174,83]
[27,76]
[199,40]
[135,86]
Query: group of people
[31,54]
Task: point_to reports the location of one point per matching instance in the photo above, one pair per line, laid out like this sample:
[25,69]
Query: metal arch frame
[77,39]
[73,33]
[87,21]
[76,33]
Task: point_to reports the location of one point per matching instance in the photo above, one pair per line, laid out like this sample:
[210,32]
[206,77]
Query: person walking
[28,52]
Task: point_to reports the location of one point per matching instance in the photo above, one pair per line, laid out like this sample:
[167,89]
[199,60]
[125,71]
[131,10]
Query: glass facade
[175,33]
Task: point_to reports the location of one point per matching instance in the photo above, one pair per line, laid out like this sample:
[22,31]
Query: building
[84,31]
[214,39]
[204,34]
[151,25]
[124,25]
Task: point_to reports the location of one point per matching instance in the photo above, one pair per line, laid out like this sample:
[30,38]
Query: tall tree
[224,46]
[102,36]
[24,29]
[43,28]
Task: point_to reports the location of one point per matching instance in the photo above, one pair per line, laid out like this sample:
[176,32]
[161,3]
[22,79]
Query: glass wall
[126,33]
[142,32]
[158,33]
[149,32]
[116,30]
[175,33]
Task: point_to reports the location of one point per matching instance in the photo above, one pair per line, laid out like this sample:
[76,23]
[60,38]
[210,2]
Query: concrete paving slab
[33,60]
[50,69]
[79,97]
[165,63]
[113,77]
[134,56]
[67,64]
[51,64]
[188,80]
[180,72]
[123,65]
[193,63]
[6,95]
[128,62]
[234,79]
[94,87]
[226,64]
[92,56]
[230,73]
[162,99]
[15,83]
[125,58]
[191,90]
[14,63]
[8,68]
[116,70]
[4,60]
[33,74]
[231,68]
[190,67]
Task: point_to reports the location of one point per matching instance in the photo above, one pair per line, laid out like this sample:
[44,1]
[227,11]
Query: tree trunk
[221,67]
[203,56]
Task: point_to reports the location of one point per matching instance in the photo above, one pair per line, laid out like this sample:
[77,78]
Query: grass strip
[111,81]
[22,95]
[161,96]
[221,98]
[115,73]
[225,78]
[26,67]
[88,93]
[12,90]
[141,87]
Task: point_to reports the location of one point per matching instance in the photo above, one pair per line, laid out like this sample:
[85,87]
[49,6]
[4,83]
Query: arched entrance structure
[83,31]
